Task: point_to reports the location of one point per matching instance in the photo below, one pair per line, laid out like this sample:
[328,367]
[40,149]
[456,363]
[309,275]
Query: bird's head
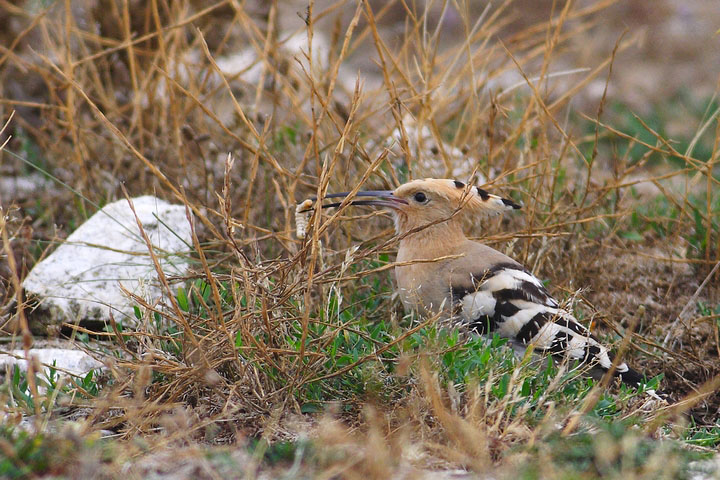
[434,201]
[430,201]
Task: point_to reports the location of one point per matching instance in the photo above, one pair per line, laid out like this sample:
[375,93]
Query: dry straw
[146,103]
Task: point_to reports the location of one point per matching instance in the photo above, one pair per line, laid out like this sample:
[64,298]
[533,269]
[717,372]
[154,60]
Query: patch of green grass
[30,151]
[477,360]
[28,455]
[663,218]
[16,391]
[25,454]
[285,137]
[612,450]
[702,436]
[707,310]
[682,107]
[281,452]
[350,326]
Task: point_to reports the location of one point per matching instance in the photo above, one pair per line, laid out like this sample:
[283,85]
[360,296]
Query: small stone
[81,280]
[69,361]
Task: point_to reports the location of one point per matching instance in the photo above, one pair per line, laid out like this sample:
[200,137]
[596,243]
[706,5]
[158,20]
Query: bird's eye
[420,197]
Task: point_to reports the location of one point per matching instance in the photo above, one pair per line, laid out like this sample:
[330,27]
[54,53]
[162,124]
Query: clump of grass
[28,455]
[17,395]
[267,327]
[604,450]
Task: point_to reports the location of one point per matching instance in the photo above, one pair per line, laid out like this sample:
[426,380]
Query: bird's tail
[633,378]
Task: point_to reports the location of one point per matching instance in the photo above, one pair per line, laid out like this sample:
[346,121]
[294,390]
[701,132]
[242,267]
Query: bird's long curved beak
[386,198]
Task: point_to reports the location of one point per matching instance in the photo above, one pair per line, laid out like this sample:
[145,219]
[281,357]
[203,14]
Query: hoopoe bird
[472,284]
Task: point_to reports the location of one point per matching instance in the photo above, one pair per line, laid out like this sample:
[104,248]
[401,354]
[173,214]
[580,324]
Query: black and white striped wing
[509,300]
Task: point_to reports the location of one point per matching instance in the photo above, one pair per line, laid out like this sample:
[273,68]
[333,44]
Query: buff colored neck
[431,242]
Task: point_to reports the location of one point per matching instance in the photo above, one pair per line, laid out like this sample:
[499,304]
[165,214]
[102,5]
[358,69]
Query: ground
[294,354]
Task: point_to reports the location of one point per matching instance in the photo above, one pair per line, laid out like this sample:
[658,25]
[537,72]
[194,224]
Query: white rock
[81,279]
[14,188]
[73,362]
[705,469]
[248,63]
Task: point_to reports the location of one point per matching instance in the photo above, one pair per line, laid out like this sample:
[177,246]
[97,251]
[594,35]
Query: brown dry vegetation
[138,96]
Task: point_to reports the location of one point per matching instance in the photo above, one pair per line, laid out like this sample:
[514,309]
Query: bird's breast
[423,288]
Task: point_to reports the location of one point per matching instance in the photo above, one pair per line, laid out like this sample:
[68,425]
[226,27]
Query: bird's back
[488,292]
[427,286]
